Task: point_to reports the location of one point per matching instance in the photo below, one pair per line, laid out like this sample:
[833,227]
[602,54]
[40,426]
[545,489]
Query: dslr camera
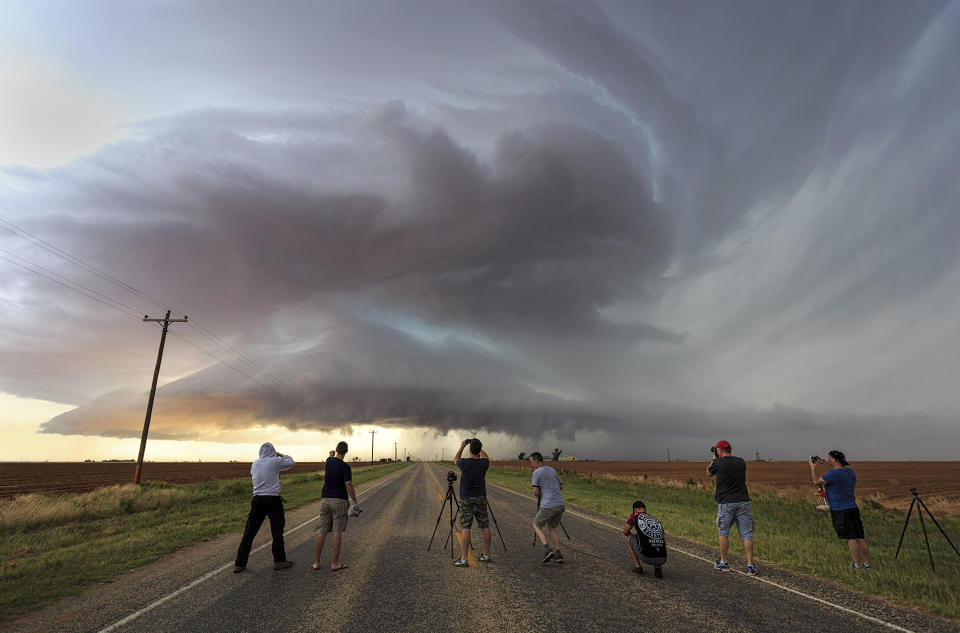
[816,459]
[469,439]
[713,449]
[451,476]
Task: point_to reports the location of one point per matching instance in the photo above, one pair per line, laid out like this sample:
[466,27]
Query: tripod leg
[497,525]
[439,516]
[909,512]
[564,531]
[925,539]
[932,518]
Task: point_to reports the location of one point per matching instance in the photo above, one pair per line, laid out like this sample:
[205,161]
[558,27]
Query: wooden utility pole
[372,433]
[153,387]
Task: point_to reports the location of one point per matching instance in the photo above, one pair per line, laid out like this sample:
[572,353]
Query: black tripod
[921,506]
[495,524]
[450,498]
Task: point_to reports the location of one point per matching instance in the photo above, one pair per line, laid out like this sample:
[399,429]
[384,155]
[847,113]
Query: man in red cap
[733,503]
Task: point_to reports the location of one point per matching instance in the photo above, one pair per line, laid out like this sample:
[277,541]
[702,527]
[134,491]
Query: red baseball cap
[723,445]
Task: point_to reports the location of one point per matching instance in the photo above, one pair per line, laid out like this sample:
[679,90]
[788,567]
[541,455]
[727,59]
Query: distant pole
[153,387]
[372,433]
[668,454]
[394,451]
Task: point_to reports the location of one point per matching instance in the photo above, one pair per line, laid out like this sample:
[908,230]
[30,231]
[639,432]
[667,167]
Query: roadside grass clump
[789,533]
[53,545]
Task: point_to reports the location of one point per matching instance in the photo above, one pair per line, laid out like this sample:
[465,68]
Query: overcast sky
[624,227]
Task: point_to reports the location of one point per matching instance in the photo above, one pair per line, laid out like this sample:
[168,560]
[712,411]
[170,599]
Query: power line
[67,283]
[246,375]
[51,248]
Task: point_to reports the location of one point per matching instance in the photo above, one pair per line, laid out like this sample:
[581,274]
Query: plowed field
[886,482]
[21,478]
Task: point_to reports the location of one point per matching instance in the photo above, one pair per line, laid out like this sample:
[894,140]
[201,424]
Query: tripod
[450,498]
[495,524]
[921,506]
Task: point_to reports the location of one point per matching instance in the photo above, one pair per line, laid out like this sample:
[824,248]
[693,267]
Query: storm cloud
[647,220]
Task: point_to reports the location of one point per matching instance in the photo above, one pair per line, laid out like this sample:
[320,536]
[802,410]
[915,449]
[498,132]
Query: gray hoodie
[266,471]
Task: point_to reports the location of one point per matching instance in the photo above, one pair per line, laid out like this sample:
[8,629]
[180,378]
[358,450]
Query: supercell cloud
[656,222]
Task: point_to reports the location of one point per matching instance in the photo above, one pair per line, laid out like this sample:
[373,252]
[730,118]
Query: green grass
[53,545]
[790,534]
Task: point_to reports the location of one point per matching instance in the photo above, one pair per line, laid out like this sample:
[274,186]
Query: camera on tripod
[451,476]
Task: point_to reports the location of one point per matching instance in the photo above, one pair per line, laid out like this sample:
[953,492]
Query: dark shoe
[237,569]
[721,565]
[638,570]
[751,570]
[460,562]
[557,556]
[657,571]
[284,564]
[548,554]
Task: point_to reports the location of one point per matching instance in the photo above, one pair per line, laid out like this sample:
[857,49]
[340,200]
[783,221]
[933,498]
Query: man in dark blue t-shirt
[840,484]
[337,485]
[473,498]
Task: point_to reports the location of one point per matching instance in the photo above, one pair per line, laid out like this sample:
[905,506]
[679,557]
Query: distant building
[570,458]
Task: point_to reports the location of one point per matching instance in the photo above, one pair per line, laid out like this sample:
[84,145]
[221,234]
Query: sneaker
[751,570]
[557,556]
[867,567]
[547,554]
[722,566]
[854,566]
[657,571]
[461,563]
[237,569]
[284,564]
[485,558]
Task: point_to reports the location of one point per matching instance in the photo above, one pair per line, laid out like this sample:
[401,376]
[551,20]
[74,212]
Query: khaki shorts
[548,516]
[333,515]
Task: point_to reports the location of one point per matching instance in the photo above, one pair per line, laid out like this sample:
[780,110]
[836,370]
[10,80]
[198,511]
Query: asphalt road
[393,583]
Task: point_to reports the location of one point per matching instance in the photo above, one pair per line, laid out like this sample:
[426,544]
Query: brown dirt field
[888,483]
[17,478]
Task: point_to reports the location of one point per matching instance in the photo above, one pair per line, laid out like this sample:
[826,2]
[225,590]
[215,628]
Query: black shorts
[847,523]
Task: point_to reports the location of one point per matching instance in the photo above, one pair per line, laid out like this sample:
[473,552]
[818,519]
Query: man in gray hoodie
[266,502]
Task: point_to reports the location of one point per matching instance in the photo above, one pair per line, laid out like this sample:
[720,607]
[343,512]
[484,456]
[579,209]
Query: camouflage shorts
[474,507]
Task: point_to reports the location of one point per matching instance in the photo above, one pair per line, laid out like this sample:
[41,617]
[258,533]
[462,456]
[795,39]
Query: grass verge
[789,534]
[51,546]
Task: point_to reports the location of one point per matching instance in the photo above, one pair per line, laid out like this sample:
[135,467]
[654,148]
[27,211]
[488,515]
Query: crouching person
[645,540]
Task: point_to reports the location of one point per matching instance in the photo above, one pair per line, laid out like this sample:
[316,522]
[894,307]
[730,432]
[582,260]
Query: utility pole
[394,451]
[372,433]
[153,387]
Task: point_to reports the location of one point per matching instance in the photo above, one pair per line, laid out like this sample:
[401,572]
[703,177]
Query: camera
[815,459]
[713,449]
[468,440]
[451,476]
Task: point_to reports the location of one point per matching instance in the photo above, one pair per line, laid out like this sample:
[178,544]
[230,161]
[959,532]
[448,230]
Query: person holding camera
[473,498]
[733,503]
[267,502]
[840,484]
[334,509]
[547,487]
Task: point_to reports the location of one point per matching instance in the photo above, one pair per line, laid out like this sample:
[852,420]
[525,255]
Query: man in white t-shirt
[547,488]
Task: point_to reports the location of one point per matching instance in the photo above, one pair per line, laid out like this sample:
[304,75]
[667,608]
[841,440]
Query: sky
[618,228]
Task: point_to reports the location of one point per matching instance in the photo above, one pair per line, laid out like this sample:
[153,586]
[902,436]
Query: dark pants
[261,507]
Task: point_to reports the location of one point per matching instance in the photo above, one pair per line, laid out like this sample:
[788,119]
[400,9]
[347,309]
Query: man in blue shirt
[473,498]
[337,484]
[840,484]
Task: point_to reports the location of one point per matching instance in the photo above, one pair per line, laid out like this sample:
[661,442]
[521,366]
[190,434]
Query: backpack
[651,540]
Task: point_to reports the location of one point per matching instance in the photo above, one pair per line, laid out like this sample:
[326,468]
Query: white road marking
[759,578]
[170,596]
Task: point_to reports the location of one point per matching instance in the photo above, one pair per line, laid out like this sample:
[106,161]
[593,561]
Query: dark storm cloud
[568,217]
[526,245]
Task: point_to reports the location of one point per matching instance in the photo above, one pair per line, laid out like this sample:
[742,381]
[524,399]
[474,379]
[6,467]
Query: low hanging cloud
[517,250]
